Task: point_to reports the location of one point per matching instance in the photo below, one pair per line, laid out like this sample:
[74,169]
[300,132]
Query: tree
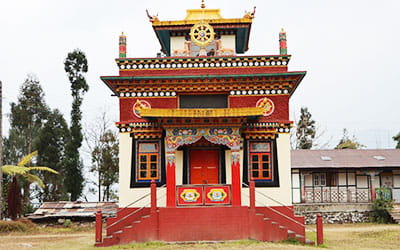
[306,131]
[75,65]
[28,114]
[105,163]
[26,118]
[14,192]
[51,146]
[102,145]
[397,138]
[347,143]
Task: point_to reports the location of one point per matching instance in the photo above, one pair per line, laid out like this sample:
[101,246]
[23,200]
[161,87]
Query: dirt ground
[348,236]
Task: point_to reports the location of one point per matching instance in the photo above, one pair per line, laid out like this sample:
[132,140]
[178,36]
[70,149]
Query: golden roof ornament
[203,5]
[202,34]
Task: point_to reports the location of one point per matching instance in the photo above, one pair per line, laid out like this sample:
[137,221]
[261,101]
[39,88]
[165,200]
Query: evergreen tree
[347,143]
[397,138]
[26,118]
[306,131]
[75,66]
[51,146]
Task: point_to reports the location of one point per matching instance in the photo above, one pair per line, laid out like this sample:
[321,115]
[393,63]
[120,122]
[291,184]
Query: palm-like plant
[22,170]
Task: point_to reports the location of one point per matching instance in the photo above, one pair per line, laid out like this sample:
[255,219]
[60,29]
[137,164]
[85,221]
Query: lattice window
[260,161]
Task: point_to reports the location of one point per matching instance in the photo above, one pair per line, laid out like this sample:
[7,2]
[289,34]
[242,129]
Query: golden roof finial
[203,5]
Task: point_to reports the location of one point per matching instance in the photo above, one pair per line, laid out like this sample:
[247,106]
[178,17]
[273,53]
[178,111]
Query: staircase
[202,224]
[395,213]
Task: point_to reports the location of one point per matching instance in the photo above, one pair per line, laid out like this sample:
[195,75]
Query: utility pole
[1,151]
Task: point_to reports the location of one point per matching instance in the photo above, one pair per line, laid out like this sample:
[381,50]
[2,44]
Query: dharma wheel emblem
[202,34]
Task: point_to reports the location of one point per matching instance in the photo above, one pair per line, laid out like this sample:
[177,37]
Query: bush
[382,206]
[67,223]
[12,226]
[21,225]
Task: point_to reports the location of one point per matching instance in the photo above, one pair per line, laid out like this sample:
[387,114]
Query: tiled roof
[68,209]
[346,158]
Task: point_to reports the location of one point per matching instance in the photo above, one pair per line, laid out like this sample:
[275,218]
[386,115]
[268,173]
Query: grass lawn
[348,236]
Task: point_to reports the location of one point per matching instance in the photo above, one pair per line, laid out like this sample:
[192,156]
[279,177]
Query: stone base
[335,213]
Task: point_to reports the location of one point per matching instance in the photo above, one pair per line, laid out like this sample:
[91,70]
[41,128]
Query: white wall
[283,193]
[229,42]
[127,194]
[177,42]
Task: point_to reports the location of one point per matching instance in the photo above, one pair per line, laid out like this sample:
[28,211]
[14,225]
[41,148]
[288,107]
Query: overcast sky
[350,50]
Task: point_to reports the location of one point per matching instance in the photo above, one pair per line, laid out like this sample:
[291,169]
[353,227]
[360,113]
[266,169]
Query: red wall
[281,103]
[203,71]
[126,106]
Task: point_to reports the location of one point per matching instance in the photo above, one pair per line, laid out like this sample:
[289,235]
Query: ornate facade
[204,121]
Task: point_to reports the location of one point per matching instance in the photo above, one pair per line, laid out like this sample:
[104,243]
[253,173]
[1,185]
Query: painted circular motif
[267,104]
[190,195]
[135,108]
[217,195]
[202,34]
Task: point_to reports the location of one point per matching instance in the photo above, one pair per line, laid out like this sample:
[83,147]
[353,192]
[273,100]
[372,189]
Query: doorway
[204,166]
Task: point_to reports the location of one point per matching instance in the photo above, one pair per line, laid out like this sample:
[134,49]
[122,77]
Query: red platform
[203,224]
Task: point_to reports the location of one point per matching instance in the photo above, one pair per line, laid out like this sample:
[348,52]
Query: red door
[204,166]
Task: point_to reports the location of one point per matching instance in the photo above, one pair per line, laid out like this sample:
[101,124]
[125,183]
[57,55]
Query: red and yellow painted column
[282,43]
[122,46]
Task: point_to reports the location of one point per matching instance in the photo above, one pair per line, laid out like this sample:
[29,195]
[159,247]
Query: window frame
[318,178]
[135,181]
[260,162]
[272,182]
[148,154]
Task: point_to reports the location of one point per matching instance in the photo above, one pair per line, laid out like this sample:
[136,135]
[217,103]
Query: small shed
[75,211]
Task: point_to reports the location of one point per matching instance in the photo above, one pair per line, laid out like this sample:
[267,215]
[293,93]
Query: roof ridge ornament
[203,5]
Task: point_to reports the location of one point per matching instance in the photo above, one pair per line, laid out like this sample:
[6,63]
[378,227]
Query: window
[325,179]
[148,161]
[319,179]
[260,161]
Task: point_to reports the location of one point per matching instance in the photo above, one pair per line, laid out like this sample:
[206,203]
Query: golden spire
[203,5]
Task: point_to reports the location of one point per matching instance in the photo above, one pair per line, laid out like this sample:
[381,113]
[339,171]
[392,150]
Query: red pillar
[153,192]
[252,189]
[236,188]
[373,193]
[171,180]
[99,225]
[302,188]
[320,230]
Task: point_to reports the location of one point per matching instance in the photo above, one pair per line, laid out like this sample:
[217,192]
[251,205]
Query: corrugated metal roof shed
[69,209]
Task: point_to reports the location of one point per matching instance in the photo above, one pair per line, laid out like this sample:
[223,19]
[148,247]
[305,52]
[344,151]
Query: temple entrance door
[204,165]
